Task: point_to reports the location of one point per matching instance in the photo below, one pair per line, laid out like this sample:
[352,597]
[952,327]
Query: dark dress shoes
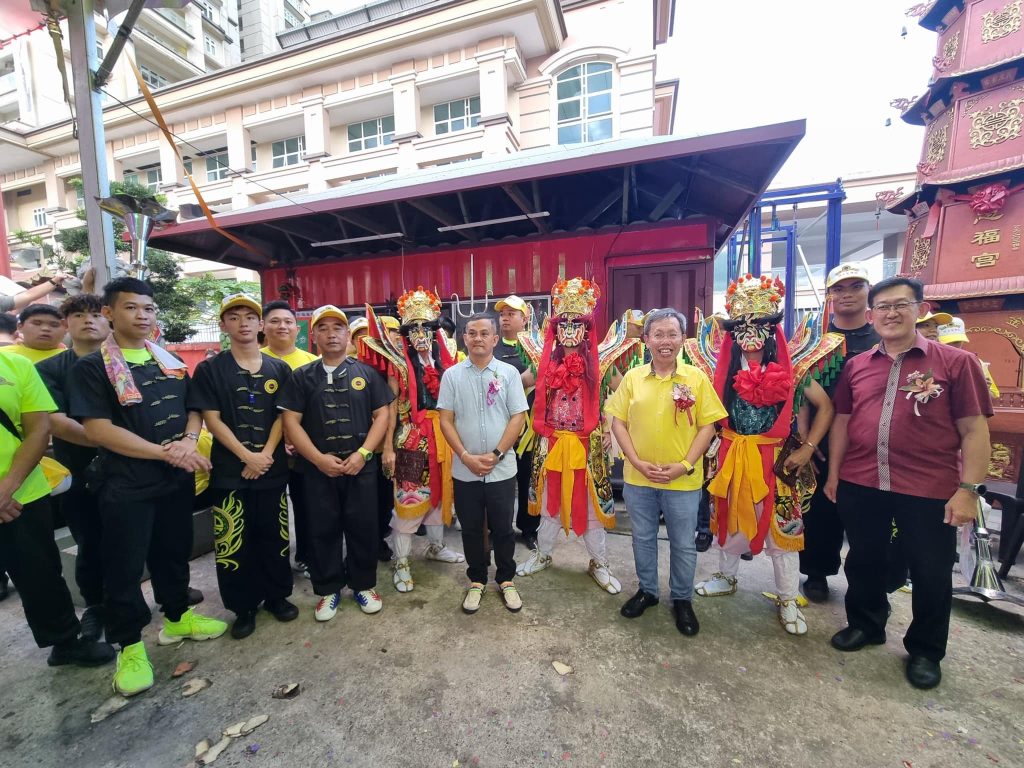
[92,623]
[244,625]
[82,653]
[686,619]
[637,604]
[816,589]
[282,609]
[923,673]
[703,541]
[853,639]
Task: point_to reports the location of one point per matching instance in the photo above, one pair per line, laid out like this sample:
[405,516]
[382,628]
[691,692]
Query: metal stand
[985,583]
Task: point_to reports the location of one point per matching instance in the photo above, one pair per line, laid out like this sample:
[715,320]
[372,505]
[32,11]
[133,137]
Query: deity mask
[751,337]
[419,338]
[570,333]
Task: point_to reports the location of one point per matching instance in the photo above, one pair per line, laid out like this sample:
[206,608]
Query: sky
[742,63]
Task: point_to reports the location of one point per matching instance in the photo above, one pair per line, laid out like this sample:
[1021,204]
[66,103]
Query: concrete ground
[422,684]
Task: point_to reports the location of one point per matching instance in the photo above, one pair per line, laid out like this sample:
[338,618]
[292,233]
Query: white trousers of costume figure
[595,537]
[403,529]
[785,563]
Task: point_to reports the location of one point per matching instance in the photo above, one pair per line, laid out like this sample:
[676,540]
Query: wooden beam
[442,217]
[666,201]
[523,205]
[600,207]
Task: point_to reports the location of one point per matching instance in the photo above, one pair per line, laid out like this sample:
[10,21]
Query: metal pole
[810,277]
[105,68]
[789,317]
[91,141]
[833,234]
[754,249]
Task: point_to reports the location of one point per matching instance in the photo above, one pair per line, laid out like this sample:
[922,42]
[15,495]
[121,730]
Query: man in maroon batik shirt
[909,443]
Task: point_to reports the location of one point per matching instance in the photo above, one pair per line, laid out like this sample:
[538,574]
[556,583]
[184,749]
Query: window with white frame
[206,10]
[584,103]
[187,165]
[209,45]
[39,217]
[148,178]
[371,133]
[456,115]
[217,166]
[151,78]
[290,19]
[287,151]
[252,154]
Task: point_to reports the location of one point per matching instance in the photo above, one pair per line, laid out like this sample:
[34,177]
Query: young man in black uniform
[88,328]
[336,414]
[847,286]
[237,393]
[512,316]
[131,396]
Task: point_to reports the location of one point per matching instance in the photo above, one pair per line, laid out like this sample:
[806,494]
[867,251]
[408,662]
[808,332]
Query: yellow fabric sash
[740,479]
[568,455]
[444,460]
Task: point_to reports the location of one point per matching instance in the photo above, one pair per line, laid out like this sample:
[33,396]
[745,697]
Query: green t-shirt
[22,391]
[137,356]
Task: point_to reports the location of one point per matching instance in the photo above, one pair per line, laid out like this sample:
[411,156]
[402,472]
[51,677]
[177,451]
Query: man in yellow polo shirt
[27,547]
[42,333]
[663,416]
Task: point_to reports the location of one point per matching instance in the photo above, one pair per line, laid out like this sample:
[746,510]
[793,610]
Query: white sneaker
[327,608]
[443,553]
[792,618]
[509,593]
[369,601]
[604,578]
[471,603]
[535,563]
[719,584]
[402,576]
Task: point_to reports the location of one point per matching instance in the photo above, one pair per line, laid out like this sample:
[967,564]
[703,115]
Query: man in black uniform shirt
[237,392]
[512,316]
[847,287]
[87,327]
[335,413]
[131,396]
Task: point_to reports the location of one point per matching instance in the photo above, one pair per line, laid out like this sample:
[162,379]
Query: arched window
[584,103]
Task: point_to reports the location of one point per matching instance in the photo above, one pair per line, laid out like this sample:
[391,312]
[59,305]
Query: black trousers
[153,532]
[823,532]
[478,501]
[525,522]
[251,547]
[343,532]
[30,555]
[704,511]
[385,501]
[82,513]
[300,512]
[927,543]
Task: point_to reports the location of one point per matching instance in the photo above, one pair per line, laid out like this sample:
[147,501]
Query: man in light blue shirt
[483,408]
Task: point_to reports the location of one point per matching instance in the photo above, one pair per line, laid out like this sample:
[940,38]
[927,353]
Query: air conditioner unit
[27,258]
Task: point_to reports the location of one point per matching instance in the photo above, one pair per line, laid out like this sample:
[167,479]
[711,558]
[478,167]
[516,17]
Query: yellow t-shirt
[22,391]
[660,433]
[137,356]
[35,355]
[295,359]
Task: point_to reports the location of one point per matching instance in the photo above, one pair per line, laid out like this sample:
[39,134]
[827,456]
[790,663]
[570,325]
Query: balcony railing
[8,83]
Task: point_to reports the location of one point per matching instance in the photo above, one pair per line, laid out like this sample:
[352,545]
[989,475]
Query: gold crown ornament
[754,297]
[419,306]
[574,297]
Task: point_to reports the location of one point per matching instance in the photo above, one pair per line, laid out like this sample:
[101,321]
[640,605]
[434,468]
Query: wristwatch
[978,489]
[366,454]
[687,466]
[499,454]
[192,436]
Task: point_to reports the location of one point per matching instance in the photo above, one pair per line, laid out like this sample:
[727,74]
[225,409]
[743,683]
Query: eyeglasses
[902,307]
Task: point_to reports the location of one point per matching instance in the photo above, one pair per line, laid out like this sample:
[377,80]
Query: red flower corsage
[758,387]
[682,397]
[432,381]
[567,375]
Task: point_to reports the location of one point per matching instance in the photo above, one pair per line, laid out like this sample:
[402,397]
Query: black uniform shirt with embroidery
[160,418]
[337,409]
[247,403]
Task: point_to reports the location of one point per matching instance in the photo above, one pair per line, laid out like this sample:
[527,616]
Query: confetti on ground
[183,668]
[213,752]
[252,749]
[286,691]
[194,686]
[107,708]
[560,668]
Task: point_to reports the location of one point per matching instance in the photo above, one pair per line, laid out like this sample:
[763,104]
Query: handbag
[790,477]
[57,475]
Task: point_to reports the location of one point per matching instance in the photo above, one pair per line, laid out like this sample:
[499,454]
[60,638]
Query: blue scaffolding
[744,246]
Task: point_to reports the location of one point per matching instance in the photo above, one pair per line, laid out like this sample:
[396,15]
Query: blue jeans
[680,511]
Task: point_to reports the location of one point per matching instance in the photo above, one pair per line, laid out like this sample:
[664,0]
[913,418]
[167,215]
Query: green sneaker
[134,672]
[191,626]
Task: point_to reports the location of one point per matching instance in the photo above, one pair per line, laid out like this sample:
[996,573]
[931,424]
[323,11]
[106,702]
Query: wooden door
[681,285]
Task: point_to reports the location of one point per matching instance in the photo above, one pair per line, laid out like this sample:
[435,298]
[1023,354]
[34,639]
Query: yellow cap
[953,331]
[940,318]
[512,302]
[327,310]
[240,300]
[389,322]
[852,271]
[359,324]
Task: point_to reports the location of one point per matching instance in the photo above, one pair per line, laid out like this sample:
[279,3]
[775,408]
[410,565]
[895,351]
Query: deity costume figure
[571,486]
[763,381]
[423,461]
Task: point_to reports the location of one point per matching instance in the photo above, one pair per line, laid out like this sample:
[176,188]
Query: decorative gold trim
[1015,320]
[922,252]
[1000,461]
[938,139]
[990,126]
[949,51]
[1010,336]
[995,25]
